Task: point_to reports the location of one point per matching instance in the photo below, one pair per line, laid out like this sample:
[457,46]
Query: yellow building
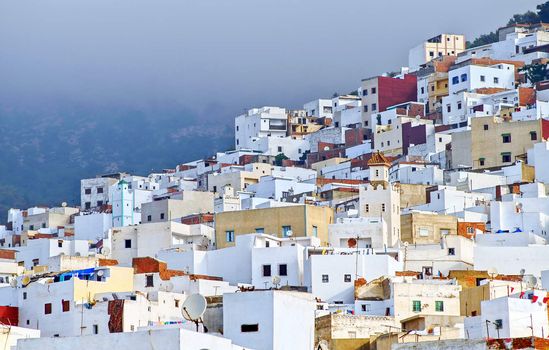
[426,228]
[496,142]
[298,220]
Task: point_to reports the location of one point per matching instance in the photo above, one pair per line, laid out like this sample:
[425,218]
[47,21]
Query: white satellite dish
[64,204]
[194,307]
[492,272]
[530,281]
[105,251]
[13,282]
[100,273]
[168,287]
[276,281]
[289,233]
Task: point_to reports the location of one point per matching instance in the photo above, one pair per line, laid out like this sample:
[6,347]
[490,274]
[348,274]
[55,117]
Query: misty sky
[218,55]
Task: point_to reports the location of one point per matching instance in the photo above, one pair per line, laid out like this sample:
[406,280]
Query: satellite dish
[276,280]
[100,273]
[13,282]
[289,233]
[64,204]
[492,272]
[522,272]
[25,281]
[323,345]
[351,242]
[194,307]
[530,281]
[105,251]
[405,244]
[168,286]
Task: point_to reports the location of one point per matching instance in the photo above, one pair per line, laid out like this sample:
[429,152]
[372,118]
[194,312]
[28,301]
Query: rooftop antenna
[193,308]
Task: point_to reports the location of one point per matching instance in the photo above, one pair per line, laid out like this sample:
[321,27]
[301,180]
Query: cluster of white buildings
[412,210]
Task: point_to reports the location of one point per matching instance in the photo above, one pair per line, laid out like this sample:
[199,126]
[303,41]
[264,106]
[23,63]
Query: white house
[270,319]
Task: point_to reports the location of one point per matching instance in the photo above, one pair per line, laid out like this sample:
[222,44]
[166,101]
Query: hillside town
[412,212]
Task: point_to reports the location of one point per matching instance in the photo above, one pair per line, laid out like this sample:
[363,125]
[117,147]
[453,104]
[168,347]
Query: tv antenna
[193,308]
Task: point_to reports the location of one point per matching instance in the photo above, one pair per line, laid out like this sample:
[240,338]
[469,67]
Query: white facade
[258,123]
[264,320]
[321,108]
[92,226]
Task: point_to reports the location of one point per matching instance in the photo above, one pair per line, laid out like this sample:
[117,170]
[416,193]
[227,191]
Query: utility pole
[487,330]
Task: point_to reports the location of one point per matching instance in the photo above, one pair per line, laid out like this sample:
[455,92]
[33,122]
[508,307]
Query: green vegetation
[279,158]
[535,72]
[529,17]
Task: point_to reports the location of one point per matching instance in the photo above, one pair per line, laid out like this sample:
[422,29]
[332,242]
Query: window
[87,205]
[161,216]
[259,230]
[283,270]
[35,262]
[481,161]
[459,105]
[99,203]
[439,305]
[286,230]
[423,232]
[463,78]
[245,328]
[24,295]
[128,243]
[66,305]
[374,90]
[88,191]
[496,80]
[266,270]
[416,306]
[47,308]
[366,307]
[422,90]
[315,231]
[365,92]
[95,329]
[470,229]
[229,236]
[482,78]
[506,138]
[485,126]
[533,135]
[366,108]
[431,54]
[149,218]
[455,80]
[149,281]
[374,107]
[347,278]
[451,251]
[449,108]
[176,303]
[99,189]
[325,279]
[279,148]
[506,157]
[59,244]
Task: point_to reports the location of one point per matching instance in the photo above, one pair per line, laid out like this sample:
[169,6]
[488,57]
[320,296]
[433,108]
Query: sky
[217,57]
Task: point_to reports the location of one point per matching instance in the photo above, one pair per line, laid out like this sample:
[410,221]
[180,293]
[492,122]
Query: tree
[535,72]
[279,158]
[543,12]
[484,39]
[525,18]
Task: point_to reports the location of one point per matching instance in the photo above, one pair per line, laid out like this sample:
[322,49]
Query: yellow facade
[302,220]
[423,228]
[437,89]
[490,146]
[118,279]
